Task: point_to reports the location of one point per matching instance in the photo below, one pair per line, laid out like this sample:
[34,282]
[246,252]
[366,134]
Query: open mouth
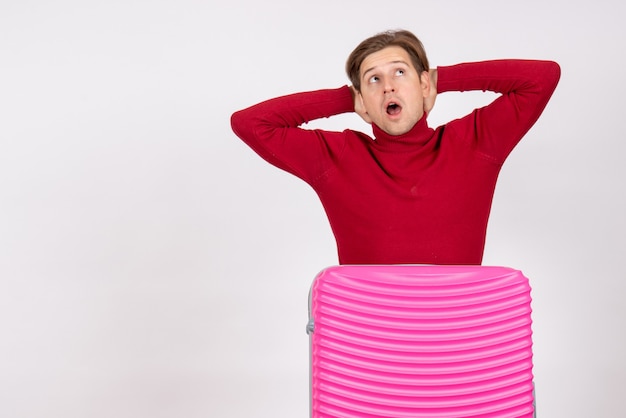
[393,109]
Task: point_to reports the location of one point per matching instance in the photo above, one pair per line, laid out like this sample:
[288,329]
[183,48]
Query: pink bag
[420,341]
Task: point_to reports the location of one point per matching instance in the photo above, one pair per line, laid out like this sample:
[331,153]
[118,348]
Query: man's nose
[389,86]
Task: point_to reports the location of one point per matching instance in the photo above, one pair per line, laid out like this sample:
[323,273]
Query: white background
[151,265]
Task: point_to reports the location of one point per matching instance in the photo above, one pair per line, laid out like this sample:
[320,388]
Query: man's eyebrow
[392,62]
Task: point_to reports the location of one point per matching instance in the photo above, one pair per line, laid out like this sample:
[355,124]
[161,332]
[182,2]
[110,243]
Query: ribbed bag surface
[420,341]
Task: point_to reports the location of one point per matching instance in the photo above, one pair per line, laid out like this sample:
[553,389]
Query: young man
[411,194]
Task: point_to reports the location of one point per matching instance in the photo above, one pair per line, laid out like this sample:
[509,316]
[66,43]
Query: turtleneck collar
[419,135]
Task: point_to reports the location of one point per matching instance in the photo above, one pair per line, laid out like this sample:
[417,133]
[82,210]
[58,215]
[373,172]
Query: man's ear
[361,110]
[425,82]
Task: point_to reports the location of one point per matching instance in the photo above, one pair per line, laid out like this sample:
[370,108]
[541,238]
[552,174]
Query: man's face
[392,92]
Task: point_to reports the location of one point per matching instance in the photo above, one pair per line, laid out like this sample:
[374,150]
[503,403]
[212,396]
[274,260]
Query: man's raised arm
[273,130]
[525,87]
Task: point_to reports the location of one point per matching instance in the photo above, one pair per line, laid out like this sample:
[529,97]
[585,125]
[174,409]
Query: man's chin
[397,127]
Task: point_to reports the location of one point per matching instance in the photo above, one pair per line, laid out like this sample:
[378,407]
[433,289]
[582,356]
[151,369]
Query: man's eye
[374,79]
[399,72]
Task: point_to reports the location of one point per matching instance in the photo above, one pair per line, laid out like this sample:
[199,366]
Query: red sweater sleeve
[525,85]
[272,130]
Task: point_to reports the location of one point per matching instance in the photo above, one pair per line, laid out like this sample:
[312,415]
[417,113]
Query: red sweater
[419,198]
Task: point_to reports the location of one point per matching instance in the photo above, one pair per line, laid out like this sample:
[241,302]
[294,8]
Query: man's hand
[358,105]
[429,102]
